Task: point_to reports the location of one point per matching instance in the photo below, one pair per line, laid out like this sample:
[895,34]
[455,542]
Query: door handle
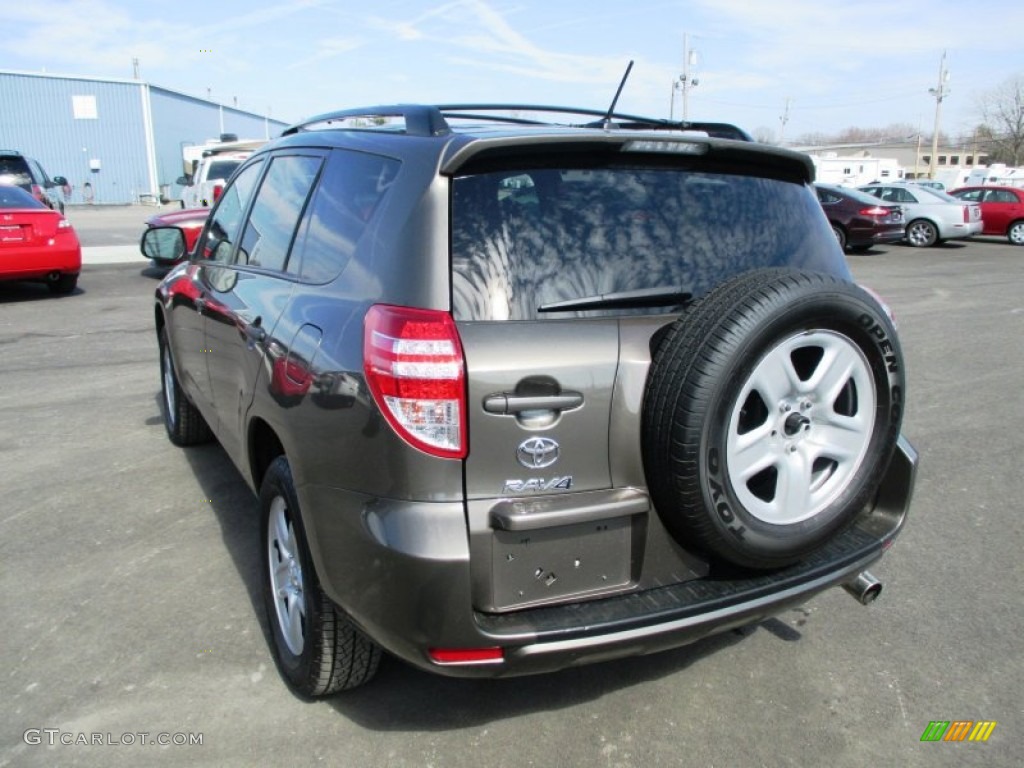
[506,403]
[255,333]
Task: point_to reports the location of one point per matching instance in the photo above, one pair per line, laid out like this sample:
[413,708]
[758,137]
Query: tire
[840,236]
[63,285]
[182,420]
[921,233]
[1015,232]
[772,409]
[317,649]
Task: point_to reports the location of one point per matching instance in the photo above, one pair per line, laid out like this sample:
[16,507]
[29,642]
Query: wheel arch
[264,446]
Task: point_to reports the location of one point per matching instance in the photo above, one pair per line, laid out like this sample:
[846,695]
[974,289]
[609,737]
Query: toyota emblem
[537,452]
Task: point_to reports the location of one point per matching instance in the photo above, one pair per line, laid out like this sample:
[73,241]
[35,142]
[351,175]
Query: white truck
[209,166]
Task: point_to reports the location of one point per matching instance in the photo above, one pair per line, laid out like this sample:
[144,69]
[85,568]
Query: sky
[781,69]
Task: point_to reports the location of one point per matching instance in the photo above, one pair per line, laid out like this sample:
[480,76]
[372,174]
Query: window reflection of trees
[602,231]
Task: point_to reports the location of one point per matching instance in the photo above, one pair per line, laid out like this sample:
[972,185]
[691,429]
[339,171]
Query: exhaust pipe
[864,588]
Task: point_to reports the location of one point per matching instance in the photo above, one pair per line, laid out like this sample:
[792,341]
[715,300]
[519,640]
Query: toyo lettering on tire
[772,408]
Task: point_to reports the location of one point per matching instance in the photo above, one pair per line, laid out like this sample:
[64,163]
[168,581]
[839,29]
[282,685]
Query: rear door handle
[504,403]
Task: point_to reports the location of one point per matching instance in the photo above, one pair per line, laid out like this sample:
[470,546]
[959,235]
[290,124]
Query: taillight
[63,223]
[874,211]
[37,193]
[414,368]
[967,215]
[217,189]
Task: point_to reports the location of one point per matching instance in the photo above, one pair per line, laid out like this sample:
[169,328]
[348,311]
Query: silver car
[517,395]
[931,215]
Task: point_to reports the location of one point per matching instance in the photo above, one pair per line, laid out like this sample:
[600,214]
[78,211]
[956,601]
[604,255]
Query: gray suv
[524,388]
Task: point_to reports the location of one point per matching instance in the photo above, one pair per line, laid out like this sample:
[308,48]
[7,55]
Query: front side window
[222,233]
[1000,196]
[526,240]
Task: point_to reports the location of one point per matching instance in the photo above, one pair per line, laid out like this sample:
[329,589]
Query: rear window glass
[525,239]
[14,170]
[16,197]
[222,169]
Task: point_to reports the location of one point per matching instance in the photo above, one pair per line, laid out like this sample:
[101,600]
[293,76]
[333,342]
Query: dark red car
[1002,210]
[189,220]
[36,242]
[860,220]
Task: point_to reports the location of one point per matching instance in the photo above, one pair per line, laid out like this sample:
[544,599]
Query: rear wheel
[1015,233]
[317,648]
[921,233]
[773,406]
[840,235]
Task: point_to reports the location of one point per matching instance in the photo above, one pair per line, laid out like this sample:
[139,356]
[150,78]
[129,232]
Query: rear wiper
[642,297]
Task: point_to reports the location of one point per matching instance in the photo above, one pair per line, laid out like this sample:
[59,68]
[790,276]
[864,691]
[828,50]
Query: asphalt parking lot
[130,595]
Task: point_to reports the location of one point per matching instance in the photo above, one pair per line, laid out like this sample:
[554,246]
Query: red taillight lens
[217,190]
[414,368]
[967,215]
[466,655]
[874,211]
[37,192]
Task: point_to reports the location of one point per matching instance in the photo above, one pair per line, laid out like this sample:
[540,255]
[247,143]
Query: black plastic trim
[712,593]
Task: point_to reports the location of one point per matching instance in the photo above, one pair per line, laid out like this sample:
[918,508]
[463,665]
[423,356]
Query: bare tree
[1002,109]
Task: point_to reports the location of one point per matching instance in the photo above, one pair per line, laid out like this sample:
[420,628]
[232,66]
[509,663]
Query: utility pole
[687,80]
[940,91]
[784,118]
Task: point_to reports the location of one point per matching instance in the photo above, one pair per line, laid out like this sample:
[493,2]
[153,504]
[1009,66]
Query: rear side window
[527,239]
[351,189]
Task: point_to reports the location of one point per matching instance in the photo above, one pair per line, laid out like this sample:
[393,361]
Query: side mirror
[184,181]
[163,243]
[59,181]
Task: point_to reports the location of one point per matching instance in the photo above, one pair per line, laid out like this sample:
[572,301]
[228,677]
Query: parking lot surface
[131,604]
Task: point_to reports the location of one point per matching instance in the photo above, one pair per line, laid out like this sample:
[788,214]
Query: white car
[931,216]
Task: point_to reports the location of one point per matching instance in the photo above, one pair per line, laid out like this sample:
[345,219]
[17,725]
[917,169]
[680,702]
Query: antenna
[611,109]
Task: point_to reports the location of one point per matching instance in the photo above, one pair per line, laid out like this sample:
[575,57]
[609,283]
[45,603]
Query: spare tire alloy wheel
[772,408]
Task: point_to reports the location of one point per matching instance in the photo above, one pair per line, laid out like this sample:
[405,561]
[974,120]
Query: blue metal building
[116,141]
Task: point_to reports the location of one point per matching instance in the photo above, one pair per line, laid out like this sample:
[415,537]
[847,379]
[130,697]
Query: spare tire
[772,408]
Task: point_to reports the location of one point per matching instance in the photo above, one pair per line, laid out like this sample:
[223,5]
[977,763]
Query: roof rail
[433,120]
[619,119]
[420,120]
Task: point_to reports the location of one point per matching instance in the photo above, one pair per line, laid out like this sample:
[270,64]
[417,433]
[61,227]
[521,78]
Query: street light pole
[940,91]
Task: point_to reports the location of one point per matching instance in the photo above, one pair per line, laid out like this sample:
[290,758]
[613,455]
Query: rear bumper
[413,593]
[39,262]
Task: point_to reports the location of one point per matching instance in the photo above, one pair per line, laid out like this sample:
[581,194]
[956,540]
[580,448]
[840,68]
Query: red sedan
[1002,210]
[189,220]
[37,243]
